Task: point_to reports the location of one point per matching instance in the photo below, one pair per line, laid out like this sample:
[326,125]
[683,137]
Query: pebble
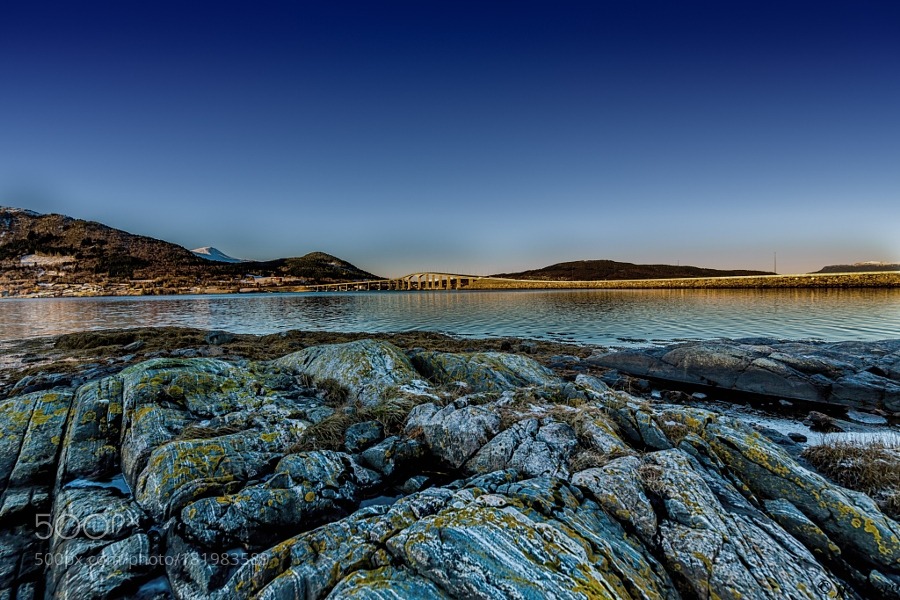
[867,418]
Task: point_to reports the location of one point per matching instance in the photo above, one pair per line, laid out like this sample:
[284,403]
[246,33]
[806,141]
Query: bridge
[413,281]
[451,281]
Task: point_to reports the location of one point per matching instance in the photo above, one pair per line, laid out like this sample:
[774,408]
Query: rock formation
[863,375]
[440,475]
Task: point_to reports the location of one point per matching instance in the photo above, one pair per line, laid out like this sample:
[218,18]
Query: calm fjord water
[583,316]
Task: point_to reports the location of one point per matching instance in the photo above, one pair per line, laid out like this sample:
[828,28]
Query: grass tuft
[333,392]
[652,478]
[587,459]
[674,430]
[391,414]
[327,434]
[868,466]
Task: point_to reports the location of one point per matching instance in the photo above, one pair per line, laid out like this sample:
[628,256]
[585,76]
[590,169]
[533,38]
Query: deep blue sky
[464,136]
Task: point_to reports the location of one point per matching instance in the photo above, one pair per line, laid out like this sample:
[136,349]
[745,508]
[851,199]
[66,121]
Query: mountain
[90,248]
[59,255]
[317,267]
[600,270]
[861,267]
[214,254]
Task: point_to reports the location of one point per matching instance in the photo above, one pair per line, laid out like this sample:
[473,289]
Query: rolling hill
[861,267]
[55,252]
[600,270]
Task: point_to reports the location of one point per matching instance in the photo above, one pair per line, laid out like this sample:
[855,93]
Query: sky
[473,137]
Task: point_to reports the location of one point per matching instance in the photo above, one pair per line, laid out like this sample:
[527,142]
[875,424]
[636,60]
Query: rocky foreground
[359,470]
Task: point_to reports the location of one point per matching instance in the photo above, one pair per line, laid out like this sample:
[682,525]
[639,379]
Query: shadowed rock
[851,374]
[306,489]
[735,552]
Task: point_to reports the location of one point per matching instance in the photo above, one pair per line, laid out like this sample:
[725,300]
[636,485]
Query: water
[117,483]
[604,317]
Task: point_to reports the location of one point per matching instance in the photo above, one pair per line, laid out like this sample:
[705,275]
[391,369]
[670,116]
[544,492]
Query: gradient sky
[464,136]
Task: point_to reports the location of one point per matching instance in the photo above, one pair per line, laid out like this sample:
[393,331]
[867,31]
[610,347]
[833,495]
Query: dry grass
[587,459]
[525,405]
[88,340]
[333,392]
[329,433]
[391,414]
[652,478]
[890,503]
[511,416]
[674,430]
[450,392]
[576,418]
[871,467]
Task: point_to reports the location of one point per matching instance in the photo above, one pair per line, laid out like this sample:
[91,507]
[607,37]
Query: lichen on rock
[193,478]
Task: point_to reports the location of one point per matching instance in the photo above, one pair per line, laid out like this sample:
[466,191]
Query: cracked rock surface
[864,375]
[203,478]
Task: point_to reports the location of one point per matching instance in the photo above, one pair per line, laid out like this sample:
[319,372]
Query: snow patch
[19,211]
[214,254]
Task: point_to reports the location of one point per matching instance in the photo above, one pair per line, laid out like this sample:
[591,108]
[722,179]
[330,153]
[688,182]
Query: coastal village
[60,283]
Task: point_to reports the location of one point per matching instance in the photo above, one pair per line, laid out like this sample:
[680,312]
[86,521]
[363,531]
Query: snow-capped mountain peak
[210,253]
[19,211]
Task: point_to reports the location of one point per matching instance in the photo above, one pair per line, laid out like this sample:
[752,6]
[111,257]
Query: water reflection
[588,316]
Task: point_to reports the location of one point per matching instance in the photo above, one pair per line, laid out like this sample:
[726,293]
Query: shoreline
[863,280]
[872,279]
